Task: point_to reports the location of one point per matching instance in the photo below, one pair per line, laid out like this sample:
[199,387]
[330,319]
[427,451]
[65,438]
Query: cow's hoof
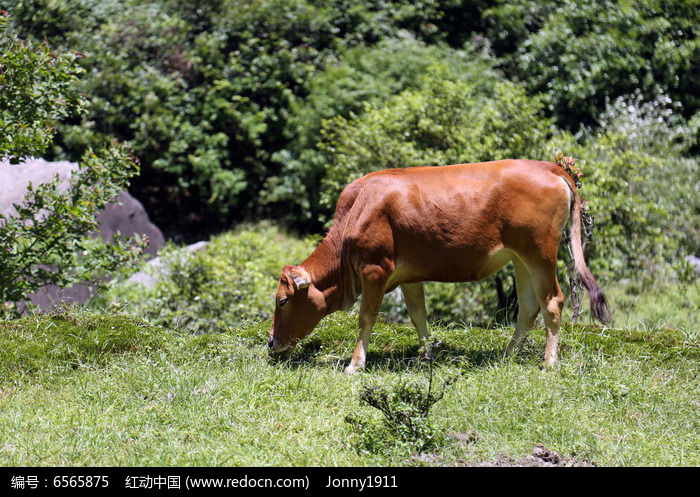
[550,365]
[351,370]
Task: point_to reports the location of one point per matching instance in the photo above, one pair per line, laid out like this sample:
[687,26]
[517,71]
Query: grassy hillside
[264,109]
[78,388]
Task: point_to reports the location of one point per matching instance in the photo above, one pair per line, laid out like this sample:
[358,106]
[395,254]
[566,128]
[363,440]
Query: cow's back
[449,223]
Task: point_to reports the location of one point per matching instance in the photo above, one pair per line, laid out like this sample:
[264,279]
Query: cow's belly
[449,268]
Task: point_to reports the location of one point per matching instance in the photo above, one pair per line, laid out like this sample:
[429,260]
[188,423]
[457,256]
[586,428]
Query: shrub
[204,92]
[446,121]
[580,54]
[232,279]
[38,90]
[350,81]
[48,240]
[641,186]
[405,408]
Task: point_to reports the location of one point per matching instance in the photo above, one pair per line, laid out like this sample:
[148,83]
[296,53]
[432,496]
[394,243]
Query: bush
[224,102]
[38,90]
[246,110]
[641,186]
[352,81]
[405,408]
[581,54]
[204,92]
[234,278]
[49,239]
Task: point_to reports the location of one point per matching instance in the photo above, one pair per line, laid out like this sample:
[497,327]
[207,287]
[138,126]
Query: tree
[49,240]
[582,54]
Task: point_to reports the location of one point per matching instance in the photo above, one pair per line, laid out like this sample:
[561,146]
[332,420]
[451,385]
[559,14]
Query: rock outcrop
[126,216]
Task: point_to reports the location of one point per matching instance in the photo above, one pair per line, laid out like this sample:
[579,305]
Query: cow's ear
[300,277]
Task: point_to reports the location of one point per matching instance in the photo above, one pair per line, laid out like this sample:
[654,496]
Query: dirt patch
[541,457]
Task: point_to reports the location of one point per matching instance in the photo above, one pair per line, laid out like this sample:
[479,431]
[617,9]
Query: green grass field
[78,388]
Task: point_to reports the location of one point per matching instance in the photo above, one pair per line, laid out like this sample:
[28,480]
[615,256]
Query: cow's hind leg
[551,300]
[373,284]
[528,307]
[415,303]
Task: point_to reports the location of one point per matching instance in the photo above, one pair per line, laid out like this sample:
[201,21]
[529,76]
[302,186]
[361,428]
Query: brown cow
[401,227]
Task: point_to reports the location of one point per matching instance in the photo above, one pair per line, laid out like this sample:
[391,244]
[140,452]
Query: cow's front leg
[415,304]
[373,283]
[359,357]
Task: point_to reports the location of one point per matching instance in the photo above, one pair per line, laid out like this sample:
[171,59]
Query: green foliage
[349,82]
[242,110]
[581,54]
[48,240]
[37,90]
[641,187]
[446,122]
[233,278]
[204,94]
[51,20]
[405,407]
[223,102]
[247,110]
[668,303]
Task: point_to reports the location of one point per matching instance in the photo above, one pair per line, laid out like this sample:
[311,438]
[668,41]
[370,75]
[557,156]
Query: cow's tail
[599,304]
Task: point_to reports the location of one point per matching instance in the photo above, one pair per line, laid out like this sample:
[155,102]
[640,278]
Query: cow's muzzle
[276,348]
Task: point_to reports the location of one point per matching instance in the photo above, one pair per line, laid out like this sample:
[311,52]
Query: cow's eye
[283,301]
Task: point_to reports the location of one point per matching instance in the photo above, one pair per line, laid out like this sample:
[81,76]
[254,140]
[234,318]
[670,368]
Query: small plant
[406,408]
[685,271]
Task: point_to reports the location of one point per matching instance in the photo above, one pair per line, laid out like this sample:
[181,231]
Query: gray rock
[693,261]
[156,269]
[14,179]
[126,216]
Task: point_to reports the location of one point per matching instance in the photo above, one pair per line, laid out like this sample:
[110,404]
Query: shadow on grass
[408,357]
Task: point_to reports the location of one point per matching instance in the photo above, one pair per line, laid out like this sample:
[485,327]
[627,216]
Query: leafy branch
[50,239]
[406,409]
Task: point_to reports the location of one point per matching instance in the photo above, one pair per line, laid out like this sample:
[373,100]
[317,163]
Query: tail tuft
[599,304]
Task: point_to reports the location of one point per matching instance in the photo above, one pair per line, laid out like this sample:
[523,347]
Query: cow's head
[299,306]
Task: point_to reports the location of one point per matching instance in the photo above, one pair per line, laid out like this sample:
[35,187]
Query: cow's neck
[330,273]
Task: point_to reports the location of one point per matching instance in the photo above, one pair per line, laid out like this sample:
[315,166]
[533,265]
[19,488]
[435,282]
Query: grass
[79,388]
[662,306]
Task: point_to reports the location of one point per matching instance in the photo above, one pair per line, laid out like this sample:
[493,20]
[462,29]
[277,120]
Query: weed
[406,408]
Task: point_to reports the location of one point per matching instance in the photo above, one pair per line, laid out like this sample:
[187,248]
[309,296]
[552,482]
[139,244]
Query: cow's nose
[271,344]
